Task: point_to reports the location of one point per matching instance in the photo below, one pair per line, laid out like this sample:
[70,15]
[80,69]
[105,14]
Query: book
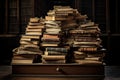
[88,62]
[53,57]
[33,29]
[54,53]
[48,39]
[30,36]
[45,44]
[50,36]
[35,26]
[34,19]
[34,23]
[57,49]
[79,55]
[33,33]
[26,59]
[87,43]
[53,18]
[87,24]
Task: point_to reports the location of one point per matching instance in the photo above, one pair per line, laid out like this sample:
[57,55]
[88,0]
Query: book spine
[57,49]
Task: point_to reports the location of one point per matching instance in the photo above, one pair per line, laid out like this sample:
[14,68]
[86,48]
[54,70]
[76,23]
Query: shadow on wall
[7,44]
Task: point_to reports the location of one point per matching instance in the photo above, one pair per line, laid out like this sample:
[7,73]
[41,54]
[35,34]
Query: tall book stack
[80,34]
[28,51]
[51,41]
[87,43]
[64,18]
[33,32]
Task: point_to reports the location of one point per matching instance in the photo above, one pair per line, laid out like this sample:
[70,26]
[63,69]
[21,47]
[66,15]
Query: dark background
[15,14]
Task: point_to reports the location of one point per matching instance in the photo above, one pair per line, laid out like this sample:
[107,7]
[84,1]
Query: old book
[79,55]
[55,23]
[53,57]
[33,33]
[25,42]
[46,44]
[30,36]
[57,49]
[87,39]
[22,61]
[84,31]
[48,39]
[26,59]
[53,18]
[35,26]
[89,49]
[93,58]
[54,53]
[27,49]
[53,31]
[87,43]
[52,26]
[50,36]
[88,62]
[50,18]
[35,19]
[87,24]
[33,29]
[25,39]
[29,39]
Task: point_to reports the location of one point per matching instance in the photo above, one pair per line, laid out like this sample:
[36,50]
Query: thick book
[33,33]
[87,39]
[88,49]
[33,29]
[50,36]
[54,53]
[87,43]
[88,62]
[48,39]
[85,31]
[35,26]
[26,59]
[52,44]
[55,23]
[30,36]
[57,49]
[53,57]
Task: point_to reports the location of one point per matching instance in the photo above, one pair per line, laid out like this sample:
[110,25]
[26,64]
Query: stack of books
[64,36]
[51,42]
[33,32]
[55,55]
[87,42]
[59,13]
[51,35]
[29,50]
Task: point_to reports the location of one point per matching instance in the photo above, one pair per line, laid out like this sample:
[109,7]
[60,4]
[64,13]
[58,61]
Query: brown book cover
[53,57]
